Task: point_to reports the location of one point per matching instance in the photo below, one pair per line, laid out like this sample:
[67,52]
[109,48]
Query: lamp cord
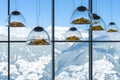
[96,7]
[16,5]
[37,12]
[81,3]
[73,4]
[111,11]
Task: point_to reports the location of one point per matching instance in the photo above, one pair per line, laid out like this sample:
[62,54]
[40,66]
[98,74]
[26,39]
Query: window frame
[53,41]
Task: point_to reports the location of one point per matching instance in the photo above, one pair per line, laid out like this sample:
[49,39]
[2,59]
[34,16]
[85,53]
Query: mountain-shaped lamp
[98,23]
[81,16]
[16,19]
[38,36]
[112,27]
[73,34]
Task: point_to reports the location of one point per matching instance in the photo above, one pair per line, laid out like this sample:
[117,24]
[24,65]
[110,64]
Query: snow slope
[71,59]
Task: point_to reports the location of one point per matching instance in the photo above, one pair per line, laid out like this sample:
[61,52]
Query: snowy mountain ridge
[71,59]
[22,33]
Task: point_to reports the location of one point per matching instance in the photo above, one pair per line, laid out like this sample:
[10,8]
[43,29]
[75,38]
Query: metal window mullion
[53,43]
[90,47]
[8,41]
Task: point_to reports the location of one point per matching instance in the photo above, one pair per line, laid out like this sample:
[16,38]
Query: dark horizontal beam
[59,41]
[82,41]
[10,41]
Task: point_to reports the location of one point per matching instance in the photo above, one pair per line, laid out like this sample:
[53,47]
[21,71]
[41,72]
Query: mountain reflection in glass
[38,36]
[81,16]
[73,34]
[112,27]
[98,24]
[16,19]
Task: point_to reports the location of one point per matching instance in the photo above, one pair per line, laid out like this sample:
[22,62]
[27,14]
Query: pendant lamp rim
[38,29]
[111,23]
[81,8]
[15,12]
[95,16]
[73,29]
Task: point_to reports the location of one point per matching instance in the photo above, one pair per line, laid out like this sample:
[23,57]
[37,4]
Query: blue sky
[63,11]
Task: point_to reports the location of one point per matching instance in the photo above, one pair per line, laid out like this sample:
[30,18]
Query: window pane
[104,36]
[63,18]
[109,13]
[3,19]
[3,61]
[30,62]
[29,11]
[71,61]
[106,61]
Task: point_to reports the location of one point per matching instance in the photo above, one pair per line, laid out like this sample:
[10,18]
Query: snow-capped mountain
[106,62]
[71,59]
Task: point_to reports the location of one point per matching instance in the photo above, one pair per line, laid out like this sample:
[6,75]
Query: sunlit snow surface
[71,59]
[29,62]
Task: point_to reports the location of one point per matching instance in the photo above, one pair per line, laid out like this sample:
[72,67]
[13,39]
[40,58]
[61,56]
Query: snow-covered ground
[71,59]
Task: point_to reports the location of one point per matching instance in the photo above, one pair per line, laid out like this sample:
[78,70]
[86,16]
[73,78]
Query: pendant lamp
[112,27]
[81,16]
[98,23]
[73,34]
[16,19]
[38,36]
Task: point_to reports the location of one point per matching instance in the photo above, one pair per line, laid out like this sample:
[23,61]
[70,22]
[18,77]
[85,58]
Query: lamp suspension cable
[111,15]
[81,3]
[96,7]
[16,5]
[73,3]
[37,12]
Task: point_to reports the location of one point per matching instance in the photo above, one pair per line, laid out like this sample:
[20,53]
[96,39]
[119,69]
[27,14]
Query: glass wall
[79,37]
[71,52]
[30,61]
[3,39]
[106,42]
